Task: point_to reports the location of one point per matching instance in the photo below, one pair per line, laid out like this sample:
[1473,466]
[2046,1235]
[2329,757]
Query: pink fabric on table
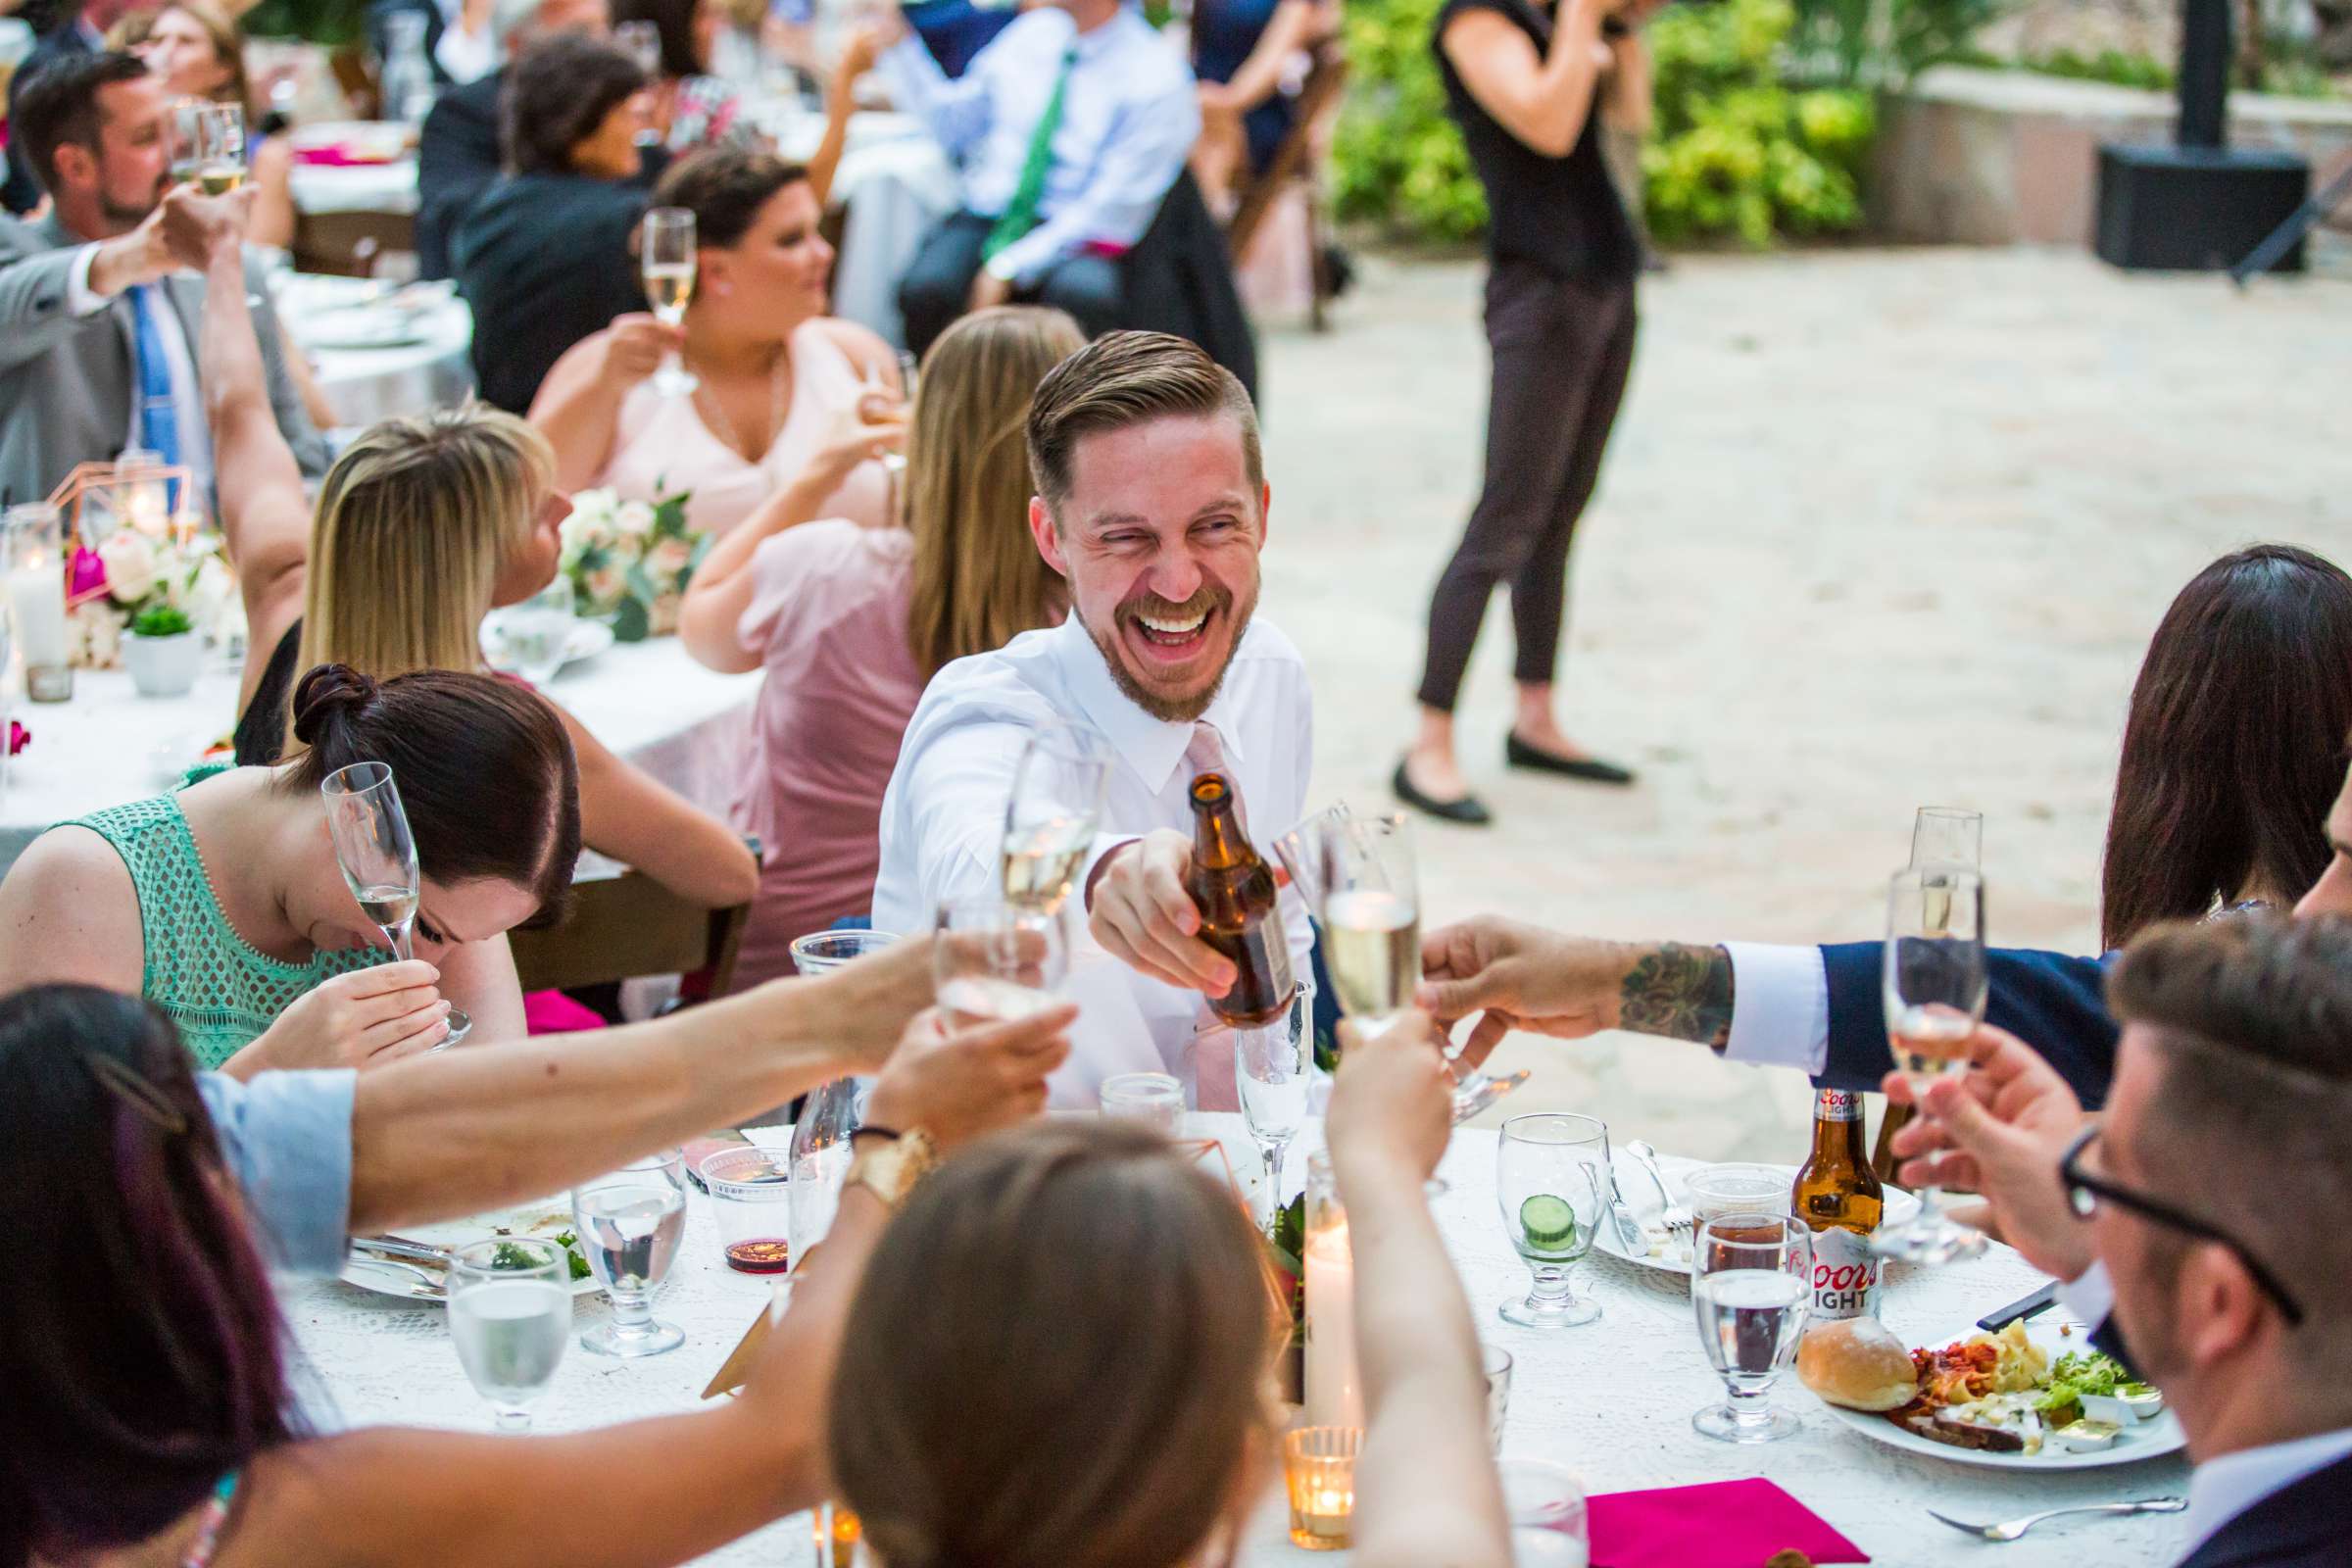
[828,618]
[551,1013]
[338,157]
[1722,1524]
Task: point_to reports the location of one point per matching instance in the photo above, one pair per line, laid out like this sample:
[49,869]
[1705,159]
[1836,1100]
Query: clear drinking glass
[669,259]
[1936,988]
[1750,1289]
[220,166]
[1052,815]
[993,961]
[510,1312]
[183,138]
[1949,837]
[629,1224]
[1150,1097]
[531,639]
[1714,1190]
[1273,1066]
[378,857]
[1551,1175]
[1496,1363]
[750,1198]
[1538,1494]
[820,1134]
[823,951]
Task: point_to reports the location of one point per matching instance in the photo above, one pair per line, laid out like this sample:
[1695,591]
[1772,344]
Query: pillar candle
[1335,1389]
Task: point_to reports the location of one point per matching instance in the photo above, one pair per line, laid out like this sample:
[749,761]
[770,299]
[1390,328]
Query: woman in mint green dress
[224,904]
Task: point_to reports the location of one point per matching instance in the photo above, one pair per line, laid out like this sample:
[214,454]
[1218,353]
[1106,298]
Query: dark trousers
[1562,349]
[938,283]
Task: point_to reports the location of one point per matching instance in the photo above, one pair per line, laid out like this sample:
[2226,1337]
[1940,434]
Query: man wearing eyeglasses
[2203,1215]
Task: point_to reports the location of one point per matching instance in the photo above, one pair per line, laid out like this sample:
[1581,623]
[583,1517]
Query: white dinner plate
[359,327]
[1642,1198]
[544,1219]
[588,638]
[2140,1440]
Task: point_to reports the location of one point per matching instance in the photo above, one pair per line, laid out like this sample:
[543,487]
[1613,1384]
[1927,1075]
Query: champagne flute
[183,138]
[221,159]
[1051,816]
[1273,1065]
[1750,1289]
[510,1312]
[1947,835]
[379,858]
[669,253]
[629,1224]
[1935,987]
[994,960]
[1550,1176]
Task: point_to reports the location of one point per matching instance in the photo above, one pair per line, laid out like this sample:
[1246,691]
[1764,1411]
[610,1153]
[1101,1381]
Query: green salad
[2078,1373]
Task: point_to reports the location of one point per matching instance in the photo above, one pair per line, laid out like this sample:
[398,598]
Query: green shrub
[326,21]
[1398,159]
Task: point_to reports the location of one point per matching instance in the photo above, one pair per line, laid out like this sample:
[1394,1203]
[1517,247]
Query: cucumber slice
[1548,1223]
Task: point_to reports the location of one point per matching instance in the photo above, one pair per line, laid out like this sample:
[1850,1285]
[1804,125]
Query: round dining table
[1612,1400]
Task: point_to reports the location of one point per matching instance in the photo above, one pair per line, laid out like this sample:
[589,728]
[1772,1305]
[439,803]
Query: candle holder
[32,559]
[1319,1465]
[139,491]
[834,1532]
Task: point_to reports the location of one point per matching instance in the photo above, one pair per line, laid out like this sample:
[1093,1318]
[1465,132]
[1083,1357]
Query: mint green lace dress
[219,988]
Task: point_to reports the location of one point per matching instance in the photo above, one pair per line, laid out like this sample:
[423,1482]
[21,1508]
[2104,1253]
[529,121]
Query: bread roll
[1858,1363]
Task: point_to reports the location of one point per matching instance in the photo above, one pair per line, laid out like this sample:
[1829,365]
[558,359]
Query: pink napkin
[337,157]
[1723,1524]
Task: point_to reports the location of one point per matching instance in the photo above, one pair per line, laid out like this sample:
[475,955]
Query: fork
[2018,1526]
[1677,1217]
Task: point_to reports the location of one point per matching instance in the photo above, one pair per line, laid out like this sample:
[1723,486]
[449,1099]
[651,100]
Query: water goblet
[1550,1181]
[629,1224]
[1751,1290]
[510,1312]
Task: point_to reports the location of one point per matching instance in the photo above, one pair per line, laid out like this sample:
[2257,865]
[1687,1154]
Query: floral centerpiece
[629,560]
[136,581]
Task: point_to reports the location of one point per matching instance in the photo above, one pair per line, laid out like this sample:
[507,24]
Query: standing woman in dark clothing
[1525,85]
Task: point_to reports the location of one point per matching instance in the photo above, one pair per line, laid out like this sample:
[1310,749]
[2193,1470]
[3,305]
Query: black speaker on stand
[2200,203]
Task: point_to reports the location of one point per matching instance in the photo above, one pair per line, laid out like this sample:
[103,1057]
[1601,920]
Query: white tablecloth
[389,187]
[365,385]
[647,701]
[1613,1400]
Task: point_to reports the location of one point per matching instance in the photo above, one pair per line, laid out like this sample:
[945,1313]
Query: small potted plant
[164,650]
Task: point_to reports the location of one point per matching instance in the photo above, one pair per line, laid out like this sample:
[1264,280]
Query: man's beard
[1207,599]
[126,218]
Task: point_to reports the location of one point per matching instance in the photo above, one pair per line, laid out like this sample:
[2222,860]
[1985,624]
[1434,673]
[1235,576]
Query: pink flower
[18,737]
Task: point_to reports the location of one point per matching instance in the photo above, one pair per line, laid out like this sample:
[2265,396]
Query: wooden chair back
[1294,160]
[623,927]
[1892,1120]
[347,244]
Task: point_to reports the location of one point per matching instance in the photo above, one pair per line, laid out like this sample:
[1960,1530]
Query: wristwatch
[889,1162]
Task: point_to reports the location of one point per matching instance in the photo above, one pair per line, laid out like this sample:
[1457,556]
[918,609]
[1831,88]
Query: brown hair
[485,771]
[1096,1394]
[2254,1103]
[1129,378]
[2234,747]
[724,188]
[229,43]
[978,580]
[556,94]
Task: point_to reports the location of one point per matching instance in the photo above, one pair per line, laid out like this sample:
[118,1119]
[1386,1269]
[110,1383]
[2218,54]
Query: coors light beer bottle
[1838,1195]
[1233,887]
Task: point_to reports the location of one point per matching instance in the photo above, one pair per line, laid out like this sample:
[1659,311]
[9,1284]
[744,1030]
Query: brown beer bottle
[1840,1196]
[1233,887]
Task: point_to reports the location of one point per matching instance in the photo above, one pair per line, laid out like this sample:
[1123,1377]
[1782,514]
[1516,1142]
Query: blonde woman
[850,623]
[421,528]
[199,52]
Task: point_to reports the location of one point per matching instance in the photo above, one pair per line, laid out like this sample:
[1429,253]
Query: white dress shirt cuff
[80,298]
[465,56]
[2089,1295]
[1780,1006]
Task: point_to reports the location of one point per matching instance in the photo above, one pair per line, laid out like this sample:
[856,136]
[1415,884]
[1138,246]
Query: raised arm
[1542,101]
[1428,1495]
[578,406]
[630,815]
[48,294]
[1295,25]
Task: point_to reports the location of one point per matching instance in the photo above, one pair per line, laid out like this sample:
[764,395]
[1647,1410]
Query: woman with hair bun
[224,904]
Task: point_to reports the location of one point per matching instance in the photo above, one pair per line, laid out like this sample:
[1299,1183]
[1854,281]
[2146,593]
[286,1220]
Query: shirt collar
[1110,35]
[1152,748]
[2226,1485]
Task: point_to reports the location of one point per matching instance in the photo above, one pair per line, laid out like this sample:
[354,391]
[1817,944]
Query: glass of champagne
[1551,1173]
[994,960]
[378,857]
[221,159]
[1273,1065]
[669,259]
[1051,818]
[1949,837]
[510,1312]
[183,138]
[1935,985]
[1750,1288]
[629,1224]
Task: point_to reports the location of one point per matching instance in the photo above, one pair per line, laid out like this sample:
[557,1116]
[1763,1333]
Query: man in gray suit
[97,333]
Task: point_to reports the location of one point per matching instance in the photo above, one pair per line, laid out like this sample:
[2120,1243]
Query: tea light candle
[1319,1470]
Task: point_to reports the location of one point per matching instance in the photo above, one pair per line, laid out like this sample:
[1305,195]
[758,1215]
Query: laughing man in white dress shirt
[1152,504]
[1069,127]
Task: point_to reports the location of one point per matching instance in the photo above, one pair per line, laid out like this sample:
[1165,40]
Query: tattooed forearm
[1681,993]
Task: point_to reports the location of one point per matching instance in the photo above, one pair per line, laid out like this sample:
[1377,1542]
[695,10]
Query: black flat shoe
[1592,769]
[1469,811]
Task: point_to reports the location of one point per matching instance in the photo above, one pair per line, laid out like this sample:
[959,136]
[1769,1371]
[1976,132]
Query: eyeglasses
[2084,1190]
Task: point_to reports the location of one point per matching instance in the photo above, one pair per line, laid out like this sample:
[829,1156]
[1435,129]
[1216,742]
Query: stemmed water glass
[1051,815]
[993,960]
[1550,1181]
[1750,1289]
[668,261]
[378,857]
[629,1224]
[1273,1065]
[510,1312]
[1935,987]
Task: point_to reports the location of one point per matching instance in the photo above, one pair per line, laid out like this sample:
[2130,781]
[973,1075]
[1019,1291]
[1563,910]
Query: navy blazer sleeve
[2051,1001]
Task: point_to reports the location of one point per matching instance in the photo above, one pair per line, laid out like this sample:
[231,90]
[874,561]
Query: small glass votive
[1542,1495]
[823,951]
[1718,1190]
[750,1198]
[1318,1464]
[1151,1096]
[1497,1362]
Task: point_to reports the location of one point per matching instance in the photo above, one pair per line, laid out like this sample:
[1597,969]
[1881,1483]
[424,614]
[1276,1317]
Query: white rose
[634,519]
[669,558]
[605,586]
[96,628]
[129,563]
[208,592]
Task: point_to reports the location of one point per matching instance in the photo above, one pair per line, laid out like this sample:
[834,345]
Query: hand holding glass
[669,255]
[1051,816]
[1935,985]
[378,857]
[993,961]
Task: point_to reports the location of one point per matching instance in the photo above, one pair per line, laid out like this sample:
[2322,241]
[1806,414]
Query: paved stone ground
[1879,528]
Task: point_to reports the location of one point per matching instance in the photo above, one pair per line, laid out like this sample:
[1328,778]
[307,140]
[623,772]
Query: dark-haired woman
[224,905]
[2235,745]
[545,256]
[691,108]
[784,388]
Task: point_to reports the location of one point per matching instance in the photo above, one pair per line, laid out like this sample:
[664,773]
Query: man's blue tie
[159,416]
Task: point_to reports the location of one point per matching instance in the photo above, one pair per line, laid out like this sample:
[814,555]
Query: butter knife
[398,1249]
[1629,1234]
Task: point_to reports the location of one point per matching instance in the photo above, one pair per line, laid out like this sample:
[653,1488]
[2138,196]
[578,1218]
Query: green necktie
[1020,214]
